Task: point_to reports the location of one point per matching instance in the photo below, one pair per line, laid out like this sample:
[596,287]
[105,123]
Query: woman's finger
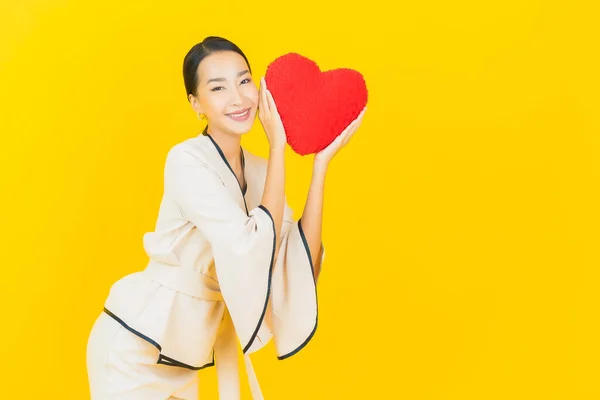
[343,137]
[351,126]
[337,141]
[348,127]
[260,106]
[347,137]
[360,116]
[271,100]
[356,123]
[350,135]
[362,112]
[263,94]
[351,131]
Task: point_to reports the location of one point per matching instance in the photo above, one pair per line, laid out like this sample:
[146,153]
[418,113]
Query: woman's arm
[312,217]
[273,198]
[274,193]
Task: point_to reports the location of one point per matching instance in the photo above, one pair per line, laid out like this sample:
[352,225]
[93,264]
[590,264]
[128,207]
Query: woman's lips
[240,116]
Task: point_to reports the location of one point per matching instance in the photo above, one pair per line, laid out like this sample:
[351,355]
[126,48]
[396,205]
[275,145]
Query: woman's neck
[230,146]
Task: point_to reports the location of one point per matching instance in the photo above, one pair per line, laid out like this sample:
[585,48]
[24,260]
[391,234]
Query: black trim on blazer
[162,359]
[268,283]
[253,337]
[205,133]
[305,242]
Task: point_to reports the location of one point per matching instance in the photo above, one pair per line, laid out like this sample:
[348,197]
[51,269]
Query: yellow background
[461,222]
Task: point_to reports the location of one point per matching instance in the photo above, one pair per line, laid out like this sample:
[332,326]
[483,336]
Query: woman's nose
[237,97]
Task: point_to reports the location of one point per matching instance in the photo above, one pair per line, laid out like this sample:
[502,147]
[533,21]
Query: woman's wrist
[320,166]
[276,150]
[319,172]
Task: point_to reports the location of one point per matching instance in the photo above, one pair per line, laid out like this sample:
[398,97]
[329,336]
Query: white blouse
[213,279]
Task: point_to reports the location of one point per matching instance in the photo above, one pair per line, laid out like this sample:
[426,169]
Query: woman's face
[226,93]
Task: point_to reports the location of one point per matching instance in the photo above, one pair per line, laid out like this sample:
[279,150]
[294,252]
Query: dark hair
[210,44]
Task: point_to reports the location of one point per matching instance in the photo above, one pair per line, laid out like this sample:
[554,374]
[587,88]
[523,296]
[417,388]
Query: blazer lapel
[217,159]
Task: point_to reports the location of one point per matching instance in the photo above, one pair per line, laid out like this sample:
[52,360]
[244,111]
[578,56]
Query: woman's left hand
[324,156]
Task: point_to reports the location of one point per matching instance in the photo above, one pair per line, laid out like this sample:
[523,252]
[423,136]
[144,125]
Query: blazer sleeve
[294,300]
[243,245]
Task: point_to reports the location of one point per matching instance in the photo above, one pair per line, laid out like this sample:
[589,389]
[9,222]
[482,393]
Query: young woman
[228,264]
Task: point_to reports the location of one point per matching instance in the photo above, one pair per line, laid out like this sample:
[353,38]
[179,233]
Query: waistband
[196,284]
[184,280]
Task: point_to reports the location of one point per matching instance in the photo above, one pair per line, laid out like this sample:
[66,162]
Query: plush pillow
[315,106]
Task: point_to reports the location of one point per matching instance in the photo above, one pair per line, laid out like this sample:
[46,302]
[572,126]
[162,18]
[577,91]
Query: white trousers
[122,366]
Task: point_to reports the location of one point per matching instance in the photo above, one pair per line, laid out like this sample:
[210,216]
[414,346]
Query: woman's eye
[218,88]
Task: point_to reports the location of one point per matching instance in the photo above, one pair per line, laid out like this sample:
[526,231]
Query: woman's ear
[195,104]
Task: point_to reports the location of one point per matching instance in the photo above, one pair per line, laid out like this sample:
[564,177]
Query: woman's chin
[240,128]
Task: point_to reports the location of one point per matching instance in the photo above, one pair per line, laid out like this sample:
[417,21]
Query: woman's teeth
[240,116]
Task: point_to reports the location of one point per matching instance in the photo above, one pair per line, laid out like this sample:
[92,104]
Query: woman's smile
[240,116]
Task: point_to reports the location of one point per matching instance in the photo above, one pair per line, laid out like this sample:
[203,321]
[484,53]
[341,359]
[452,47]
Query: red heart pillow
[315,106]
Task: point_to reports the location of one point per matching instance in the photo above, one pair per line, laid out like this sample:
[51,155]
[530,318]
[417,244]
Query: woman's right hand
[270,119]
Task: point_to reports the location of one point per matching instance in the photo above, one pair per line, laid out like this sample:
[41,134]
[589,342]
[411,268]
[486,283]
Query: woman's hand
[269,118]
[323,157]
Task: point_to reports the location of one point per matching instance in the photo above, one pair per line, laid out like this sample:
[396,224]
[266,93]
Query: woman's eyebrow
[221,79]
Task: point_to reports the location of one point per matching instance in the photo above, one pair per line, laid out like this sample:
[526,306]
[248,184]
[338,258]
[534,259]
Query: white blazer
[213,279]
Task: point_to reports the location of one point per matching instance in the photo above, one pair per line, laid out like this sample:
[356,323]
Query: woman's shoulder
[194,148]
